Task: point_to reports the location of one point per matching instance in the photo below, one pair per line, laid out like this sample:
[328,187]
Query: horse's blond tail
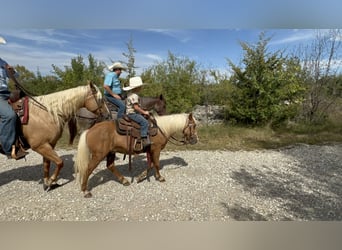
[82,158]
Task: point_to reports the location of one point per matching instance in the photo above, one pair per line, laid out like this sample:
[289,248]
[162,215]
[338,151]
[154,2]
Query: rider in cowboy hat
[7,115]
[133,109]
[112,87]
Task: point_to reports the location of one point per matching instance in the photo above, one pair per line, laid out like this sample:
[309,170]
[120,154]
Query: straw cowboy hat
[116,65]
[134,82]
[2,40]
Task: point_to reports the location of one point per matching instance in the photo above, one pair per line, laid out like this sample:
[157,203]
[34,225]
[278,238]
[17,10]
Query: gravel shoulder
[300,183]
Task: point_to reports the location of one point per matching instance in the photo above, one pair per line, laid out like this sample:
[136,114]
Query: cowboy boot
[146,141]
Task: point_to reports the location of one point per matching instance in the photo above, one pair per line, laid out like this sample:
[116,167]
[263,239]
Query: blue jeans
[7,126]
[141,121]
[119,103]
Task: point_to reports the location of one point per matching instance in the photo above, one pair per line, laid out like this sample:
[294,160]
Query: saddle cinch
[20,106]
[131,129]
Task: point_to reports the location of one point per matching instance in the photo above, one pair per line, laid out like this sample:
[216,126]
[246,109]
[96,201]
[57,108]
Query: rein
[86,117]
[182,142]
[25,91]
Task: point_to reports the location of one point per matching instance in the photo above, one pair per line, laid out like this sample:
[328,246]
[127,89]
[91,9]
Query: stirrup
[138,146]
[18,155]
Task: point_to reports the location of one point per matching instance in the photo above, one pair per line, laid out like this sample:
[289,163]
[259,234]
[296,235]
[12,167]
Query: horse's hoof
[88,195]
[141,179]
[45,187]
[126,183]
[161,179]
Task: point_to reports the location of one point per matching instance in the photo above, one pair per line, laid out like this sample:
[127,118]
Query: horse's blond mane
[172,123]
[64,104]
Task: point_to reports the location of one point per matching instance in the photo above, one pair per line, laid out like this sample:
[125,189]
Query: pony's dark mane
[149,99]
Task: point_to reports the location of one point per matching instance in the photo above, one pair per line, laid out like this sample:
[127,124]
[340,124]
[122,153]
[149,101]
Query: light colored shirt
[132,99]
[112,80]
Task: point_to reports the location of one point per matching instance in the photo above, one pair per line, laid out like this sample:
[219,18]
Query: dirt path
[295,183]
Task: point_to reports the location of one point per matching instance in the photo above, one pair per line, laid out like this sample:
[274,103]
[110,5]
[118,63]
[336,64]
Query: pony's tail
[82,158]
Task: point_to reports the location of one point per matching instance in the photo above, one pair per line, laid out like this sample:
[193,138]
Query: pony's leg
[155,154]
[144,174]
[93,163]
[112,168]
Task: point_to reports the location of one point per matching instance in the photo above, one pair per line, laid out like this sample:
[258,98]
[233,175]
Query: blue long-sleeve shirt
[3,76]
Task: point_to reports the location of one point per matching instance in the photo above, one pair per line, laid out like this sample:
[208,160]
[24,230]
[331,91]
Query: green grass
[224,137]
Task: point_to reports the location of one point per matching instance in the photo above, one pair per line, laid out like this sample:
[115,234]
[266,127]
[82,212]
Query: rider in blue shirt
[8,117]
[112,88]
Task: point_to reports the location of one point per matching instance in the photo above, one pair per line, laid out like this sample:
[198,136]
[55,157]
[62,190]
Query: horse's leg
[112,168]
[49,155]
[46,169]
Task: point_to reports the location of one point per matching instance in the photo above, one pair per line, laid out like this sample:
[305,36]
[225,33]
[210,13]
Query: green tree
[267,88]
[79,73]
[35,84]
[25,75]
[216,88]
[130,64]
[177,79]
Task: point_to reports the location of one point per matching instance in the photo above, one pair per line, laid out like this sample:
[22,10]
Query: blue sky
[168,14]
[40,48]
[40,33]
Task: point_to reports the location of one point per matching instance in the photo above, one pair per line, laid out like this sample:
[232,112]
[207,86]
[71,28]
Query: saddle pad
[20,107]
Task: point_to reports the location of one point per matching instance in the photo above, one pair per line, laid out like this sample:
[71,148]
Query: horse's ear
[92,86]
[161,97]
[190,117]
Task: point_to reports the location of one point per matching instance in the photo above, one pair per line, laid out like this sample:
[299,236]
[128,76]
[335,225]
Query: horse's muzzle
[193,140]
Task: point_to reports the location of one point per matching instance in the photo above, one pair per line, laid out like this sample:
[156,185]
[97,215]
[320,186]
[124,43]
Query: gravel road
[300,183]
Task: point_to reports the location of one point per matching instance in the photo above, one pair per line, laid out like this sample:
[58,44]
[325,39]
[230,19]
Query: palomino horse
[86,119]
[46,122]
[102,140]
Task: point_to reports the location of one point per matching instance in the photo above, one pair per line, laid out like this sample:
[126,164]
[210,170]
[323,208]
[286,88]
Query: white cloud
[296,36]
[182,36]
[154,57]
[37,36]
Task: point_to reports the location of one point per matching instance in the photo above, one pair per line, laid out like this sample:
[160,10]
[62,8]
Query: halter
[99,106]
[189,124]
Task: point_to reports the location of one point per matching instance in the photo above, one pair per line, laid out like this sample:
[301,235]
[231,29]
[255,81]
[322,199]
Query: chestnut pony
[47,120]
[103,141]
